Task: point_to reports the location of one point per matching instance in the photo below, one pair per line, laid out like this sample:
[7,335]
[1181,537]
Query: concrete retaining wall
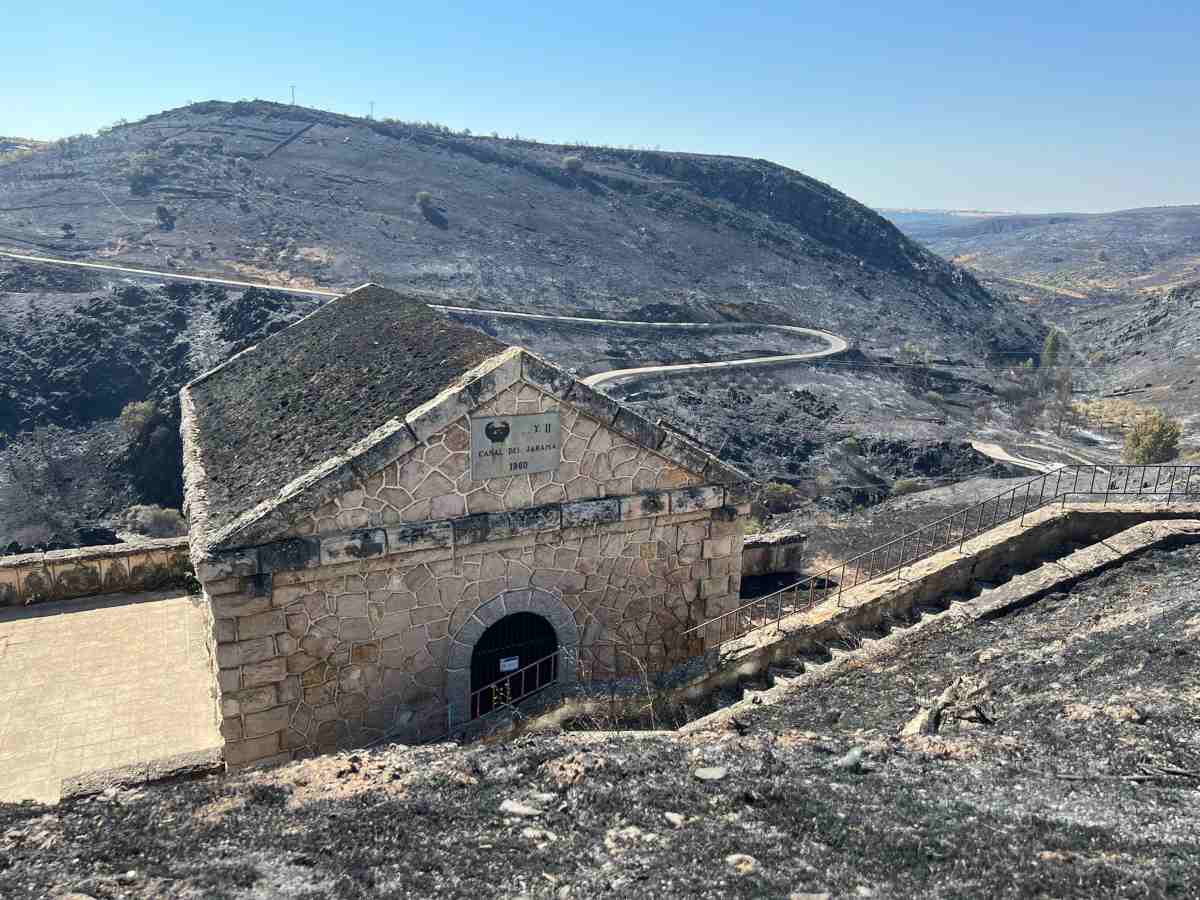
[112,568]
[992,556]
[1053,576]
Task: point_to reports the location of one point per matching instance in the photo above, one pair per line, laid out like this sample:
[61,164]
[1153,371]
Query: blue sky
[1031,107]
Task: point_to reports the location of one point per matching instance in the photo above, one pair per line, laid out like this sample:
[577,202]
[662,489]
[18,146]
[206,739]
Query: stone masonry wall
[355,648]
[115,568]
[434,480]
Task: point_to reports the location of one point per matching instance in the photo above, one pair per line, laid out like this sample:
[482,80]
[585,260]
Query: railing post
[1188,487]
[1171,484]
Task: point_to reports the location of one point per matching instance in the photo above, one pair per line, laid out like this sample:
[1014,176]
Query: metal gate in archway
[513,658]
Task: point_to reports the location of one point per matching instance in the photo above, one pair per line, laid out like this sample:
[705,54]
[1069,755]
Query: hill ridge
[286,194]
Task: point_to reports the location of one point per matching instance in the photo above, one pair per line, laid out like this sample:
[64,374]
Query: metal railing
[591,664]
[514,687]
[1171,483]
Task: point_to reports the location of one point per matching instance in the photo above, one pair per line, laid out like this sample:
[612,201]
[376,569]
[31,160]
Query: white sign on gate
[515,445]
[510,664]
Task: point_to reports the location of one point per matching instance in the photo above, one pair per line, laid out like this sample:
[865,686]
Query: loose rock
[852,761]
[516,808]
[741,863]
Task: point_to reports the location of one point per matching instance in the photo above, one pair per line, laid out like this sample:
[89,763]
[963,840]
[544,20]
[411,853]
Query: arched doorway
[513,658]
[543,604]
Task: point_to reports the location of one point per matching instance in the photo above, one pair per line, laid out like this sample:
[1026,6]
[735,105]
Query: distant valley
[1125,251]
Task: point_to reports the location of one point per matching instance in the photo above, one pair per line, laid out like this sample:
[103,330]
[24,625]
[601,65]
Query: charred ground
[299,195]
[295,196]
[1070,769]
[78,349]
[1122,251]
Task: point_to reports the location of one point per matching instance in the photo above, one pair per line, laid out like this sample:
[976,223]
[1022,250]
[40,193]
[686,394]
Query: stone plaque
[515,445]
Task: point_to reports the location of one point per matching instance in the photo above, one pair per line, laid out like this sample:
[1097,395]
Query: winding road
[835,344]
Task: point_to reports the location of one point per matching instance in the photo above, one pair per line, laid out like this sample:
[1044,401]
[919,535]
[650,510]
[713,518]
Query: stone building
[387,508]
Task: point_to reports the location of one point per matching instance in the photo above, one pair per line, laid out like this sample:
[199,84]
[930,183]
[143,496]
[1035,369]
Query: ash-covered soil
[291,195]
[77,350]
[588,349]
[1069,766]
[837,534]
[1088,253]
[1140,348]
[77,355]
[842,432]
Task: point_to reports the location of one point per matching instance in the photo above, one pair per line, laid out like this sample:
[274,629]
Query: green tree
[144,170]
[136,417]
[1153,438]
[1061,406]
[1052,349]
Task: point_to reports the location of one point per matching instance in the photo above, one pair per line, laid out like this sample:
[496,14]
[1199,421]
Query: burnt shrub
[904,486]
[155,521]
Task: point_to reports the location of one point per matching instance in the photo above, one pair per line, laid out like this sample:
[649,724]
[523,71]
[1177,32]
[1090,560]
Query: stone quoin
[371,490]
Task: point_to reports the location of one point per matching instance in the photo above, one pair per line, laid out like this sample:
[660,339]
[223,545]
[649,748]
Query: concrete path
[998,453]
[101,683]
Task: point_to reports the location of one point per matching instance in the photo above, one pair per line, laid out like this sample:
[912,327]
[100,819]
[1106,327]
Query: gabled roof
[278,409]
[284,426]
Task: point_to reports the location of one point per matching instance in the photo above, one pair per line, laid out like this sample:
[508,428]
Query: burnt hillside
[1092,253]
[288,194]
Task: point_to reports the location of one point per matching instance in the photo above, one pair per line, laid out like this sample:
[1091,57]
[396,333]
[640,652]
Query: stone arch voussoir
[534,600]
